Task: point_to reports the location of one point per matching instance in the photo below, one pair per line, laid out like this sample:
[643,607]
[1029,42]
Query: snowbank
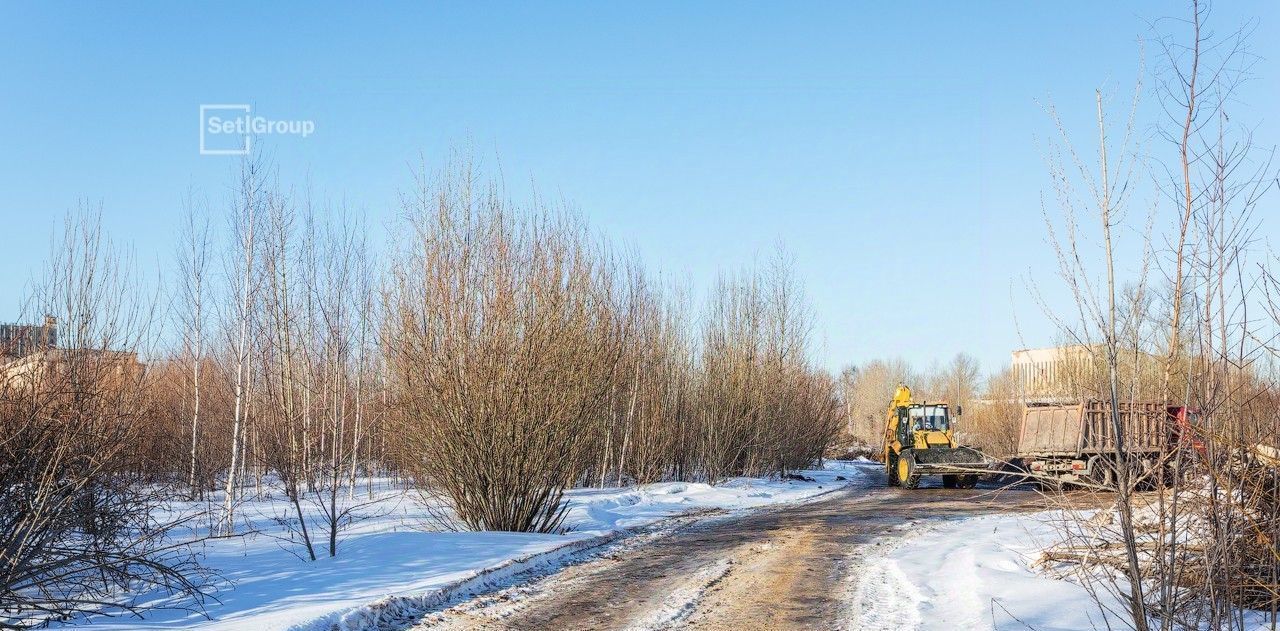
[975,573]
[979,573]
[388,564]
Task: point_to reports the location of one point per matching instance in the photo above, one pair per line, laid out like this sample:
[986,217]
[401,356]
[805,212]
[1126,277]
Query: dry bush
[523,359]
[730,400]
[504,340]
[746,402]
[761,407]
[866,391]
[810,420]
[78,534]
[994,423]
[164,446]
[653,431]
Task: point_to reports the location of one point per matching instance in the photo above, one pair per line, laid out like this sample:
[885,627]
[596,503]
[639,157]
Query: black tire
[912,479]
[1148,475]
[967,481]
[1104,475]
[1175,472]
[950,481]
[891,469]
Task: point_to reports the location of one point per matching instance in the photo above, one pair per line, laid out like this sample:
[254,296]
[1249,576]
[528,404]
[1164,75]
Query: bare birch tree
[193,264]
[245,213]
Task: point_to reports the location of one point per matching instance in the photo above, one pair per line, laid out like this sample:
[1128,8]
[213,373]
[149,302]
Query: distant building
[1049,372]
[29,355]
[20,340]
[1079,371]
[86,365]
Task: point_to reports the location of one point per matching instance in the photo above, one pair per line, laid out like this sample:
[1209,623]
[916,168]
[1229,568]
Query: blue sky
[895,148]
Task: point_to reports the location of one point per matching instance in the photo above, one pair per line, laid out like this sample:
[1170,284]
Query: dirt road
[784,568]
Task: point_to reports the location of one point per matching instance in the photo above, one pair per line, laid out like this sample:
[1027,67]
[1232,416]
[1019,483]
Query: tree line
[991,403]
[494,355]
[1174,295]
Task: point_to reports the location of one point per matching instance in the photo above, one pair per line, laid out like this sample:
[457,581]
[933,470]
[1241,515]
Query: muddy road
[784,568]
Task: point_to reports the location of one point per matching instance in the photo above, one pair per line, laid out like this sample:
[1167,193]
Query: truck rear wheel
[950,481]
[1150,478]
[1104,475]
[891,469]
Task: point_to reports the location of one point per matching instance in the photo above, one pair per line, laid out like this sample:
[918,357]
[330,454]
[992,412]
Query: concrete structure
[1049,372]
[30,356]
[20,340]
[54,365]
[1075,372]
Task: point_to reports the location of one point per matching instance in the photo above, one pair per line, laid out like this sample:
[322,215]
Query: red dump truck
[1075,442]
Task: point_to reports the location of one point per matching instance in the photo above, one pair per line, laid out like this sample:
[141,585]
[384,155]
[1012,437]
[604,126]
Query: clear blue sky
[698,133]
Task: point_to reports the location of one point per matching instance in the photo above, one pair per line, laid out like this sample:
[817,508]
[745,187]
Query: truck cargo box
[1083,429]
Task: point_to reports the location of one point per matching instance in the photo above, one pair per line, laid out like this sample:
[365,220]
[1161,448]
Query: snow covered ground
[974,573]
[393,555]
[978,573]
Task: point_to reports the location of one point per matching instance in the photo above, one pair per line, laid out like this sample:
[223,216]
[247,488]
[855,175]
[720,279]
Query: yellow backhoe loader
[919,440]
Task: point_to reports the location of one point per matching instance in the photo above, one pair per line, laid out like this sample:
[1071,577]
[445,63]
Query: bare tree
[1100,320]
[78,534]
[193,261]
[1203,549]
[1215,186]
[241,280]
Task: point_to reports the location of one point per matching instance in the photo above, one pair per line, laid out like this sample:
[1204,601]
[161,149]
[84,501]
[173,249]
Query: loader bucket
[950,460]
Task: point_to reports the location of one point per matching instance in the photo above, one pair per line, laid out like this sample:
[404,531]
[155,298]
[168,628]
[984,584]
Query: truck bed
[1086,428]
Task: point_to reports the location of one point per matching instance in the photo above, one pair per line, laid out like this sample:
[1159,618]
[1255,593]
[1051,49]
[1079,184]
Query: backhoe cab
[919,440]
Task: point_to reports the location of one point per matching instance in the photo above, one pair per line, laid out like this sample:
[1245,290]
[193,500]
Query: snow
[391,557]
[972,573]
[975,573]
[981,573]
